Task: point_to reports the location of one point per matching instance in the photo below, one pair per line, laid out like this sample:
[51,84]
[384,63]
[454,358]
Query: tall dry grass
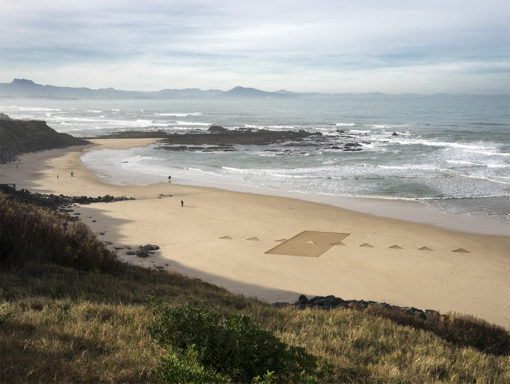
[33,234]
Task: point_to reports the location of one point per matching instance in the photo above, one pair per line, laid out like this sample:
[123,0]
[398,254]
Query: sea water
[449,152]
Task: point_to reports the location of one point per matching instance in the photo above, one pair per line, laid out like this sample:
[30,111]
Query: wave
[38,109]
[191,123]
[179,114]
[345,124]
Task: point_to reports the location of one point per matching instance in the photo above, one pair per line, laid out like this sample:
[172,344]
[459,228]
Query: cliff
[20,136]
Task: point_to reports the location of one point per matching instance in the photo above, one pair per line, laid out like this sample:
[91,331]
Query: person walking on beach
[169,179]
[182,203]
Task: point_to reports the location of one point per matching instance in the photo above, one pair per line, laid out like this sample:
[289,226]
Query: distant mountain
[247,92]
[28,88]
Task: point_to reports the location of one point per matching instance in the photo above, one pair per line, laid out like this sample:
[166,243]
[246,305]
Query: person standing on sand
[182,203]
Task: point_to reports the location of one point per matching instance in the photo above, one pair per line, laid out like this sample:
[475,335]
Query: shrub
[463,330]
[33,234]
[231,345]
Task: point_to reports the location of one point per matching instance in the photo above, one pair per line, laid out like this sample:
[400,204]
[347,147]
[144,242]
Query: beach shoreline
[223,236]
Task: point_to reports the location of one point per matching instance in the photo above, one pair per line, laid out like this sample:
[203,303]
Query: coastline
[192,241]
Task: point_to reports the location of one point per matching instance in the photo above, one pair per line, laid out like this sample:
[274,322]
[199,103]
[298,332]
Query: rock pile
[146,250]
[331,302]
[55,202]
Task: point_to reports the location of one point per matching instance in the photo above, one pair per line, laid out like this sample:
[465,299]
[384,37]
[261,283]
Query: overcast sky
[330,46]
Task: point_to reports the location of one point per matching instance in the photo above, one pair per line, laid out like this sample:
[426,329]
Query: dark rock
[130,253]
[146,250]
[59,203]
[331,302]
[217,129]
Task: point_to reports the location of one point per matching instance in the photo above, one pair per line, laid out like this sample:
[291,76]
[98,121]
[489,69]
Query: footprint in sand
[227,237]
[253,239]
[366,245]
[396,246]
[310,242]
[338,243]
[461,250]
[424,249]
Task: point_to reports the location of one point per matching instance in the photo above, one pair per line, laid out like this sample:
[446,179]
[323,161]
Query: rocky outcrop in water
[20,136]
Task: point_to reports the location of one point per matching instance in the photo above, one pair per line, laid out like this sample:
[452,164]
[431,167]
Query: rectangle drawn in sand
[309,244]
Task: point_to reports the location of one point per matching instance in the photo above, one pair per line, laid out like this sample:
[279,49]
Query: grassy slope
[61,324]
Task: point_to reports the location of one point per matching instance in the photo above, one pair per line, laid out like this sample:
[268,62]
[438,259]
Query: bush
[33,234]
[463,330]
[231,345]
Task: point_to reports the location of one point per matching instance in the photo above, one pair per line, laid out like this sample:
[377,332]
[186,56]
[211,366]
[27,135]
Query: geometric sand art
[309,244]
[461,250]
[395,247]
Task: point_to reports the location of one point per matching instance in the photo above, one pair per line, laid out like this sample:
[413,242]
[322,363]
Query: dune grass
[77,323]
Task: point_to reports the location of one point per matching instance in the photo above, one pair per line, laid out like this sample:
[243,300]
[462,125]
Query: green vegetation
[65,320]
[229,345]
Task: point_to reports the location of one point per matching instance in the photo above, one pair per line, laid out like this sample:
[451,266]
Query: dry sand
[222,237]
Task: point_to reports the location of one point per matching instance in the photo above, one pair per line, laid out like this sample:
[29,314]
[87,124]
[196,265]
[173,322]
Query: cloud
[331,45]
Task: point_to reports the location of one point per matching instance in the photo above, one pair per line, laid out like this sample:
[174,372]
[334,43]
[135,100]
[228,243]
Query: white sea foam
[192,123]
[38,109]
[177,114]
[345,124]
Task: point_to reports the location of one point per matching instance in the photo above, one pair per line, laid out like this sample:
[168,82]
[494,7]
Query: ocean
[451,153]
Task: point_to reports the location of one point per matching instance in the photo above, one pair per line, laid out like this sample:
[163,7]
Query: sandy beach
[314,249]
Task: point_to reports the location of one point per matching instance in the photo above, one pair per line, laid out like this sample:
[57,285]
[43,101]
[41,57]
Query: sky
[391,46]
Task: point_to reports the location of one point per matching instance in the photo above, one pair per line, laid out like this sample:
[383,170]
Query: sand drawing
[253,239]
[280,240]
[367,245]
[461,250]
[339,243]
[425,249]
[396,246]
[308,244]
[227,237]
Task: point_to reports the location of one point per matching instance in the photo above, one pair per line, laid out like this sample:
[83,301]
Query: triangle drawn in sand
[253,239]
[461,250]
[226,237]
[367,245]
[425,249]
[396,246]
